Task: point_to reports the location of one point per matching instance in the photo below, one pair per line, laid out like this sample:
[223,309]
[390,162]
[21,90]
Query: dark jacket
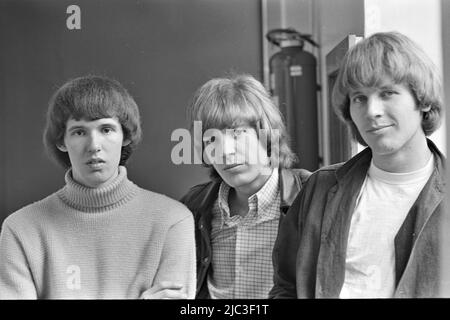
[200,200]
[310,251]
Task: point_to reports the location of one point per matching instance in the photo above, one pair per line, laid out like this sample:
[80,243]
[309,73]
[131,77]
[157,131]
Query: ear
[62,148]
[126,142]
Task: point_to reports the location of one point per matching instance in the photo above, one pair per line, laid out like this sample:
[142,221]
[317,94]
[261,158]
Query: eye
[107,130]
[387,93]
[209,140]
[78,132]
[238,132]
[358,99]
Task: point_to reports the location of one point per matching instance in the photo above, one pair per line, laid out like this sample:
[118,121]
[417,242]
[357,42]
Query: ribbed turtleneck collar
[82,198]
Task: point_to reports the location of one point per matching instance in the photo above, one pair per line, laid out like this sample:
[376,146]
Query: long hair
[394,56]
[241,99]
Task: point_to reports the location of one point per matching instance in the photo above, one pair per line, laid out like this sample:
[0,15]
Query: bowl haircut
[90,98]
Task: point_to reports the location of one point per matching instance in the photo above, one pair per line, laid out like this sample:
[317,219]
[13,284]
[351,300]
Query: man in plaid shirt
[238,212]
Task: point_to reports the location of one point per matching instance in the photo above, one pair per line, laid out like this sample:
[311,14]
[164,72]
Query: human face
[239,157]
[388,119]
[94,149]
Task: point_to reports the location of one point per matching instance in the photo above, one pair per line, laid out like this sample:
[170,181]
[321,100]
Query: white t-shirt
[382,205]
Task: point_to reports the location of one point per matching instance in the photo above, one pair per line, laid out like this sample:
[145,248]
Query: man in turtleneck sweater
[100,236]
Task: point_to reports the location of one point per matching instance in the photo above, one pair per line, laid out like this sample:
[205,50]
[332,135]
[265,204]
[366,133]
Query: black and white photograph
[236,151]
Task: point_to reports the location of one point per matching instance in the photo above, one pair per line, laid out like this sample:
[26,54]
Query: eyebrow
[383,87]
[76,127]
[109,124]
[352,93]
[388,86]
[79,126]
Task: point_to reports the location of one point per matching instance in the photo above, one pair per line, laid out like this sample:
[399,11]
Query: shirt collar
[268,193]
[261,200]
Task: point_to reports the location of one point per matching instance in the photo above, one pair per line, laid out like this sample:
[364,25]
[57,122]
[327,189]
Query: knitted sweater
[113,242]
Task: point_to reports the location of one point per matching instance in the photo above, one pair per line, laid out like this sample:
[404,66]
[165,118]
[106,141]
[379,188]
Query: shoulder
[301,174]
[326,174]
[304,175]
[198,189]
[30,216]
[321,180]
[314,192]
[159,200]
[163,204]
[329,170]
[198,193]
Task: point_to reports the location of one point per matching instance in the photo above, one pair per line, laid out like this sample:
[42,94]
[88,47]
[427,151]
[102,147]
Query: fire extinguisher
[293,86]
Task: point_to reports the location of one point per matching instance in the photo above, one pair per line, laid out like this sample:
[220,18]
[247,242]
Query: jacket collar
[362,161]
[205,200]
[288,183]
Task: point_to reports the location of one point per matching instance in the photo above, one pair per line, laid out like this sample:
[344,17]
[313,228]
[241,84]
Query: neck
[93,183]
[246,191]
[238,197]
[101,199]
[406,159]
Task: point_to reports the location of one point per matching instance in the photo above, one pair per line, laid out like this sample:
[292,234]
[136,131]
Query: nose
[228,148]
[375,107]
[94,142]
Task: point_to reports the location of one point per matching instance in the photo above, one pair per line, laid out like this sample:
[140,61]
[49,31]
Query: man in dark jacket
[369,228]
[237,214]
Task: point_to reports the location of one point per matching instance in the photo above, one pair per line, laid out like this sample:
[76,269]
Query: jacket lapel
[430,197]
[424,207]
[336,224]
[205,203]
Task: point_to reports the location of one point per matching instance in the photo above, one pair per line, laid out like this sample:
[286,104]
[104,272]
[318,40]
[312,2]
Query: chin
[100,179]
[238,181]
[384,149]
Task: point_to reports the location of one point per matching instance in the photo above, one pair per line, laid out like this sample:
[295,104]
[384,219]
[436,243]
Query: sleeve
[16,281]
[285,252]
[178,257]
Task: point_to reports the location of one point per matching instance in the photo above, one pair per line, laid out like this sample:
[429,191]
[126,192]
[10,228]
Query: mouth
[378,128]
[95,163]
[232,166]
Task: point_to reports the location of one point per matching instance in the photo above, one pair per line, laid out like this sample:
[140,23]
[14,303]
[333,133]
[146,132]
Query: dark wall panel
[160,50]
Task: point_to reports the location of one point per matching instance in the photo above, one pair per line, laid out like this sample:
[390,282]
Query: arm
[16,281]
[285,254]
[176,277]
[165,290]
